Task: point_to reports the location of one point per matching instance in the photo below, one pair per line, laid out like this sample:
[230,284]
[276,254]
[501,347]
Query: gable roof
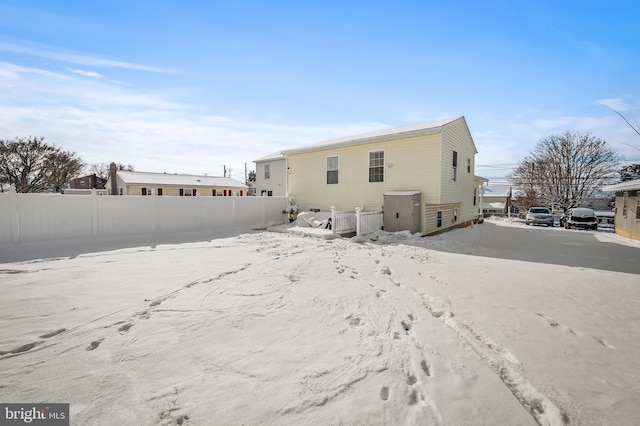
[430,128]
[270,157]
[497,191]
[631,185]
[146,178]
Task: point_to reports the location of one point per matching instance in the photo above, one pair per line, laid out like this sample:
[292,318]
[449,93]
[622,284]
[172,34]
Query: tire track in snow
[504,364]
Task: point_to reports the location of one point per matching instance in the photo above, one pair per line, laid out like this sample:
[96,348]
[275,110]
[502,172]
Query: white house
[271,175]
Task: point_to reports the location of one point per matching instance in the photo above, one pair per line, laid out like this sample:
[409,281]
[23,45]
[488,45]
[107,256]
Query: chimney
[114,179]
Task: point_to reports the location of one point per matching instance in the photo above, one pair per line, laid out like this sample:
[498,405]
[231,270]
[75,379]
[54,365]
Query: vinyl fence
[40,217]
[357,221]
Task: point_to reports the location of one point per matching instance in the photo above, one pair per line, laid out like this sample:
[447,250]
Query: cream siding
[627,225]
[409,164]
[457,138]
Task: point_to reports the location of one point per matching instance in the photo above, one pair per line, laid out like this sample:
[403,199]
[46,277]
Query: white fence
[39,217]
[356,221]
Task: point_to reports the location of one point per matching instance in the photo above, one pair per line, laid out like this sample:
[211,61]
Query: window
[376,166]
[147,191]
[269,193]
[625,202]
[439,219]
[159,192]
[638,205]
[82,183]
[187,192]
[454,167]
[267,171]
[468,165]
[332,170]
[214,193]
[475,195]
[455,215]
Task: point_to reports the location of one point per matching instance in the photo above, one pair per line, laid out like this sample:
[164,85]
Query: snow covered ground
[282,328]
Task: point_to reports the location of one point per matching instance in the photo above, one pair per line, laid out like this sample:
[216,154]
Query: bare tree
[35,166]
[631,171]
[635,126]
[564,170]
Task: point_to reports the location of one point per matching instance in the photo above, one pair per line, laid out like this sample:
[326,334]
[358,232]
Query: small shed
[401,211]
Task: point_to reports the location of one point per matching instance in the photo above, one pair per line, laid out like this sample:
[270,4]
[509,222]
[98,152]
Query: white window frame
[337,169]
[377,166]
[267,171]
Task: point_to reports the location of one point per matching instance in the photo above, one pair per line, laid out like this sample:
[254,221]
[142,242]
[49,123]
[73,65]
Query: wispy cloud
[85,73]
[78,58]
[104,122]
[617,104]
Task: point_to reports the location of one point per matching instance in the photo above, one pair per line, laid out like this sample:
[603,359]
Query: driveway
[578,248]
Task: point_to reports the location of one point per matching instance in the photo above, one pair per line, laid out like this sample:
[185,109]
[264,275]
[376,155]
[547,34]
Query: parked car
[581,218]
[539,216]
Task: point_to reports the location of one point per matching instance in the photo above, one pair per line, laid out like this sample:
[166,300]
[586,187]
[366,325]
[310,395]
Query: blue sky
[191,86]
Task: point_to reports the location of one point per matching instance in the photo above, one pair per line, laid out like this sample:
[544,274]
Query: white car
[539,216]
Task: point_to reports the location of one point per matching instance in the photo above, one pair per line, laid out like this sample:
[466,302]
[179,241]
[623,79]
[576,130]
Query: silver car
[539,216]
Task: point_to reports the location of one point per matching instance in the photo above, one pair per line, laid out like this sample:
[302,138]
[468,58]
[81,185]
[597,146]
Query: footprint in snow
[384,393]
[94,345]
[123,329]
[425,368]
[411,380]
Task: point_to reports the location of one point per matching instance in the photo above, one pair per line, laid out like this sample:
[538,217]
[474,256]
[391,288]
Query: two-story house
[434,161]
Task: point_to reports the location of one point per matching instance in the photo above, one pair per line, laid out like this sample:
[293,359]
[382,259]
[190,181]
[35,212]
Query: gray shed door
[402,211]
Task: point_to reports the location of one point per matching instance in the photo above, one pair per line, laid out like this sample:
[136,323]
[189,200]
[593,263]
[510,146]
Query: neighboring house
[88,182]
[436,160]
[496,200]
[167,184]
[627,217]
[271,175]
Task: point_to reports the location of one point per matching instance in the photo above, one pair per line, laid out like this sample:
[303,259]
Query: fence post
[358,223]
[13,216]
[333,219]
[94,213]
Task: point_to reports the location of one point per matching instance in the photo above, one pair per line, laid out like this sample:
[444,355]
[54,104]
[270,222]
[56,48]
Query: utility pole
[246,182]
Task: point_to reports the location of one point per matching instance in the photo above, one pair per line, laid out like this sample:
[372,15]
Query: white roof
[145,178]
[273,156]
[631,185]
[429,128]
[497,191]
